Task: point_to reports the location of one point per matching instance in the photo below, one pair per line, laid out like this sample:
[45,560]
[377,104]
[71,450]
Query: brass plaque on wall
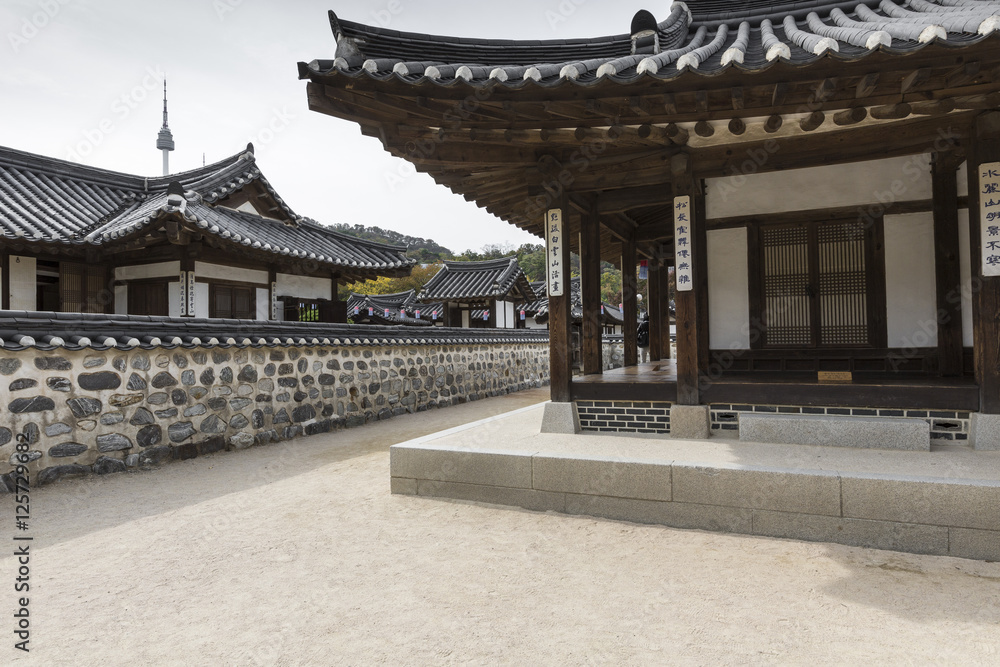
[836,377]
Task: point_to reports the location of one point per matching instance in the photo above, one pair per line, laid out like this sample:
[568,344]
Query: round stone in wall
[30,405]
[52,364]
[9,366]
[238,422]
[163,380]
[59,384]
[22,384]
[141,417]
[106,465]
[180,431]
[113,442]
[101,381]
[67,449]
[213,424]
[149,436]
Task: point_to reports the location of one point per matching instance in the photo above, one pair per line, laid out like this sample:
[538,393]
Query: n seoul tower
[165,140]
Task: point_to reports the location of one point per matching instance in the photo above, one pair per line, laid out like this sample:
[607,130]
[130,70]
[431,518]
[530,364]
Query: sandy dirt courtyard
[297,554]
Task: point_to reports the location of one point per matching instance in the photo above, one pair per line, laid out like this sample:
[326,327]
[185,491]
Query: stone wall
[87,411]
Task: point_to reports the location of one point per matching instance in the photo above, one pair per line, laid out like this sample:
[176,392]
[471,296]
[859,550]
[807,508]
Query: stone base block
[985,432]
[691,422]
[836,431]
[560,418]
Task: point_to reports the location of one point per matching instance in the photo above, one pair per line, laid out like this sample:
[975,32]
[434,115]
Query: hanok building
[537,312]
[399,308]
[479,294]
[822,174]
[215,242]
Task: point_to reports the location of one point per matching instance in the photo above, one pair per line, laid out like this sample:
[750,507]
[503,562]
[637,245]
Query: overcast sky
[81,80]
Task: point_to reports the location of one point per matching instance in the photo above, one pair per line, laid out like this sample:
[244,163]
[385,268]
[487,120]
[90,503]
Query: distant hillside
[423,250]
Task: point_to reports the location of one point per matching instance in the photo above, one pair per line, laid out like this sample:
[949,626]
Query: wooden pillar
[5,281]
[985,149]
[654,308]
[491,321]
[590,278]
[665,351]
[630,310]
[560,317]
[692,305]
[190,304]
[272,291]
[946,264]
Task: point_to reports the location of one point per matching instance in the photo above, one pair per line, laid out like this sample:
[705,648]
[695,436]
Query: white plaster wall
[465,318]
[263,304]
[304,287]
[143,271]
[897,179]
[506,315]
[200,299]
[963,179]
[121,299]
[910,286]
[728,289]
[965,266]
[220,272]
[23,283]
[174,298]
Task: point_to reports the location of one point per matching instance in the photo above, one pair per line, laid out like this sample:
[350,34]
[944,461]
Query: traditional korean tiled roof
[702,36]
[75,331]
[48,201]
[397,308]
[475,280]
[539,309]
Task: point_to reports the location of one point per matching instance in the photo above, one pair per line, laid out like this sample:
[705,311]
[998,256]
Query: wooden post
[188,291]
[5,281]
[629,301]
[272,292]
[590,278]
[665,351]
[560,322]
[654,307]
[946,263]
[985,148]
[692,305]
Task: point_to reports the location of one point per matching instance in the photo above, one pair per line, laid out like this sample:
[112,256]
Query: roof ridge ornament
[645,39]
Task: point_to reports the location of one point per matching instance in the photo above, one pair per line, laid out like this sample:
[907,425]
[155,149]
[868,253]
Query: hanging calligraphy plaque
[989,217]
[683,216]
[555,271]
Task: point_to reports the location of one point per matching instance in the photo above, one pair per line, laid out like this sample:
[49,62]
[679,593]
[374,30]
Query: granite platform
[945,501]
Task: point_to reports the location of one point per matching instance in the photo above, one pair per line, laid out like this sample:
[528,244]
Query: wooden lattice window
[818,285]
[83,288]
[232,302]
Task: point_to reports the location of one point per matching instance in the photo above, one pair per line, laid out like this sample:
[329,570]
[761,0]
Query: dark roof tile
[703,36]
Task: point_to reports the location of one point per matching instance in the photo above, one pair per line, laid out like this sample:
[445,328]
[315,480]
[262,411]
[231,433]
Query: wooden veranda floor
[657,381]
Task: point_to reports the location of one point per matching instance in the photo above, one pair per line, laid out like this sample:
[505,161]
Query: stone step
[836,431]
